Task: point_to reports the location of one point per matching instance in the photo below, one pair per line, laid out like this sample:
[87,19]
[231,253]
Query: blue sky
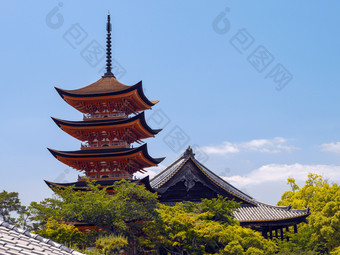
[253,84]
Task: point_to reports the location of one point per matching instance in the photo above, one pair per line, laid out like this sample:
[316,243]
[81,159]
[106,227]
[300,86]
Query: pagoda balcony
[89,116]
[119,144]
[106,176]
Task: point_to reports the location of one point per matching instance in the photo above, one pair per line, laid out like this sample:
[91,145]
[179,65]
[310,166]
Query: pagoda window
[104,176]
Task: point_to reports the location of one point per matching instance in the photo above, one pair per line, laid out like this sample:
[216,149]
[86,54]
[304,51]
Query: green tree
[9,203]
[62,233]
[322,234]
[124,212]
[40,213]
[110,244]
[204,228]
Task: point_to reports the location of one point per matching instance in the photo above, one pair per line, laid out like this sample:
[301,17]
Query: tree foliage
[62,233]
[133,215]
[124,212]
[322,234]
[111,244]
[9,203]
[204,228]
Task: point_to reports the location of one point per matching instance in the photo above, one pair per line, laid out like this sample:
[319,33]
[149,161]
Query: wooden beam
[281,233]
[295,229]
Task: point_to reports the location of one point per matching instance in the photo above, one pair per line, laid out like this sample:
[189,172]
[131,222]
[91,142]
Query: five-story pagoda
[107,131]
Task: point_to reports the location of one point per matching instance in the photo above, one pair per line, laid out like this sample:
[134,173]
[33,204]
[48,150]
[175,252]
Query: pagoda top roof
[106,153]
[108,122]
[105,86]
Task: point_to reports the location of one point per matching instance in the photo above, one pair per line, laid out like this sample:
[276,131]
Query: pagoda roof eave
[82,185]
[107,122]
[76,94]
[106,153]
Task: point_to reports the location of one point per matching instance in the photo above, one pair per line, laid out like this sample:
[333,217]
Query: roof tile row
[15,241]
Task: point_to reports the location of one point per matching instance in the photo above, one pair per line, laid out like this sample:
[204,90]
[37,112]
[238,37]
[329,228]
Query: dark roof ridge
[169,166]
[38,238]
[247,197]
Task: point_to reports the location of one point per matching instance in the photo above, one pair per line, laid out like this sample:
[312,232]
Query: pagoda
[113,121]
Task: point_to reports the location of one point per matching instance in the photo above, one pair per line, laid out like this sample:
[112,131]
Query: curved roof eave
[106,153]
[138,86]
[107,122]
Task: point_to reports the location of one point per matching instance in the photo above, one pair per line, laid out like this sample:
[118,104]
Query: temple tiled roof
[159,180]
[250,211]
[167,173]
[264,212]
[14,240]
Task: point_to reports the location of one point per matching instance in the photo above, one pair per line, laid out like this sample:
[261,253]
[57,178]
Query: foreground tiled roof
[251,211]
[18,241]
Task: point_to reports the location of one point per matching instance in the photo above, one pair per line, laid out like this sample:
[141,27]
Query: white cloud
[279,172]
[331,147]
[225,148]
[275,145]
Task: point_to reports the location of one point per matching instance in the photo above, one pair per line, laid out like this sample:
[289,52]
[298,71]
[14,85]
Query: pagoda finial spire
[108,48]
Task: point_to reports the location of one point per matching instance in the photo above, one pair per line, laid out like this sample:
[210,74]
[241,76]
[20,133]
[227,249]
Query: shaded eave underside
[82,185]
[82,93]
[106,153]
[107,122]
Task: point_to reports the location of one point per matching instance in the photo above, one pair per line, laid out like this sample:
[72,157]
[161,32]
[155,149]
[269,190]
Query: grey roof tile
[265,212]
[16,241]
